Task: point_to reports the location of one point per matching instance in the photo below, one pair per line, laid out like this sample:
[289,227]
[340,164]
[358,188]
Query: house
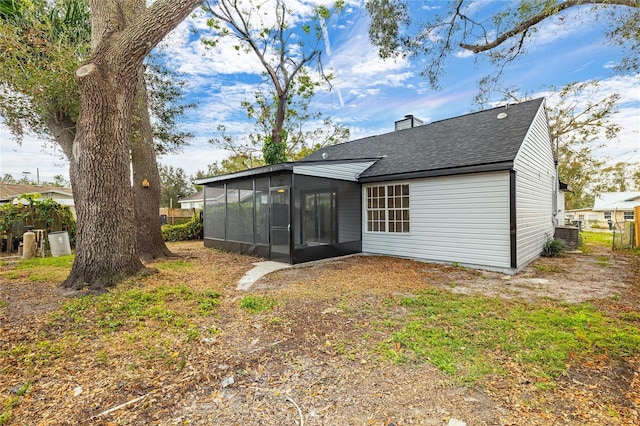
[609,206]
[480,190]
[193,201]
[10,192]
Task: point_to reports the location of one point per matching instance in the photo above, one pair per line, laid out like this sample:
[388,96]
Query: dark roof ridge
[505,106]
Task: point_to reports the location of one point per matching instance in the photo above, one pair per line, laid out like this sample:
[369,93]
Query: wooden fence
[636,216]
[170,216]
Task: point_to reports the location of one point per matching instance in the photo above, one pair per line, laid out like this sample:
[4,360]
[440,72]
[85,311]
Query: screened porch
[283,216]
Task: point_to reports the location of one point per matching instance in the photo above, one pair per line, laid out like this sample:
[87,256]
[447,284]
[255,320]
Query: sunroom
[291,212]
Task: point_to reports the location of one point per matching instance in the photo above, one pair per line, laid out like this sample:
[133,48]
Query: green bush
[191,230]
[38,213]
[553,248]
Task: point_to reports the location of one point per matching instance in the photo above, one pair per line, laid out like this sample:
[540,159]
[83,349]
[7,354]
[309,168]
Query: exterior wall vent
[408,122]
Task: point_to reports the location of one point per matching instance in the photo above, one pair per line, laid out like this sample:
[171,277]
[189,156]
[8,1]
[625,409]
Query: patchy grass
[187,328]
[162,306]
[40,269]
[472,338]
[602,239]
[255,304]
[46,262]
[11,402]
[174,265]
[544,267]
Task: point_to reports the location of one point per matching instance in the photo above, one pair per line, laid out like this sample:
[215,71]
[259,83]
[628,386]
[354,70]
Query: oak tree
[503,37]
[47,42]
[99,166]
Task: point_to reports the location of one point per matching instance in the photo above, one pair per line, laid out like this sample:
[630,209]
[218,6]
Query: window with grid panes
[388,208]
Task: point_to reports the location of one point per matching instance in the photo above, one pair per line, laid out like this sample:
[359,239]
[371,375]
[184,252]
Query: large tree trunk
[105,236]
[145,169]
[106,249]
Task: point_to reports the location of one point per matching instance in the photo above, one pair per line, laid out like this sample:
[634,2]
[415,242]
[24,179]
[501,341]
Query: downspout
[513,218]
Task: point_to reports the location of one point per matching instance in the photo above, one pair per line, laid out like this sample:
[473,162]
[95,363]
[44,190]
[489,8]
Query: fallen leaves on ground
[314,353]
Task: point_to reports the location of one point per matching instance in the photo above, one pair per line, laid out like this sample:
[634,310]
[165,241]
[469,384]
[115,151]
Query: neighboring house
[10,192]
[609,206]
[480,190]
[193,201]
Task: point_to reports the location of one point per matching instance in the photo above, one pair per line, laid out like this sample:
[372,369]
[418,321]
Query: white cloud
[34,155]
[194,158]
[463,53]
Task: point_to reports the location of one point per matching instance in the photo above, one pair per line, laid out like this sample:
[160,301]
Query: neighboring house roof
[9,191]
[198,196]
[584,209]
[617,201]
[481,141]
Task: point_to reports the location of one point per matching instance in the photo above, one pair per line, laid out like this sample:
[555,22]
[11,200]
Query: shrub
[39,213]
[553,248]
[191,230]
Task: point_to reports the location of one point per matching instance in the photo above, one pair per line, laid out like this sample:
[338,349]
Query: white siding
[462,219]
[340,171]
[535,182]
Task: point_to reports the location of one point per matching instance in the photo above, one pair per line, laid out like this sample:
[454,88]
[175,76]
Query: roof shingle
[472,140]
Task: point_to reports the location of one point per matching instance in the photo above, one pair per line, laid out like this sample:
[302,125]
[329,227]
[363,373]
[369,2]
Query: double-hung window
[628,215]
[388,208]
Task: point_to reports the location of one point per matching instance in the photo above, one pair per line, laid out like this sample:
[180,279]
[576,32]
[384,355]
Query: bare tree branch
[522,27]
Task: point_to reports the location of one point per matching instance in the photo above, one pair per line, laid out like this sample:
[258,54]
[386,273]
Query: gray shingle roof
[477,141]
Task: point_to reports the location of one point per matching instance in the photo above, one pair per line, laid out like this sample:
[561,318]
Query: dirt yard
[312,359]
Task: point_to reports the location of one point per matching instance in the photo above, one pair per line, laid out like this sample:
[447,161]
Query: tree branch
[536,19]
[149,29]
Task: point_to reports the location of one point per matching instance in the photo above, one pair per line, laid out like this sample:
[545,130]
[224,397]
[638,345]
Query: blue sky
[369,94]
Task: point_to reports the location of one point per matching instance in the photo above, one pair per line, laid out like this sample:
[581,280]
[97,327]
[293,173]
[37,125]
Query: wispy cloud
[369,94]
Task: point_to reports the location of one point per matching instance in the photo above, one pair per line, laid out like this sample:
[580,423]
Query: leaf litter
[312,358]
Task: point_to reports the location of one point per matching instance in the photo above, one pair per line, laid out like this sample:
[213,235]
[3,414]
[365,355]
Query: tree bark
[106,249]
[105,236]
[146,197]
[63,129]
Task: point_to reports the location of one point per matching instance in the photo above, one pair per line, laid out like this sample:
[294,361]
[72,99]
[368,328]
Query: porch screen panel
[214,212]
[240,211]
[261,219]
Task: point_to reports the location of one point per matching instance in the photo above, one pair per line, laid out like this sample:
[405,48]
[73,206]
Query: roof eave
[246,173]
[479,168]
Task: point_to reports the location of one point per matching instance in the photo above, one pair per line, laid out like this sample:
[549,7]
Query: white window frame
[387,208]
[628,215]
[607,215]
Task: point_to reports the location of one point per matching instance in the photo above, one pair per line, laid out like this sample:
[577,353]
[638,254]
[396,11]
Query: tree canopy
[287,48]
[502,37]
[580,119]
